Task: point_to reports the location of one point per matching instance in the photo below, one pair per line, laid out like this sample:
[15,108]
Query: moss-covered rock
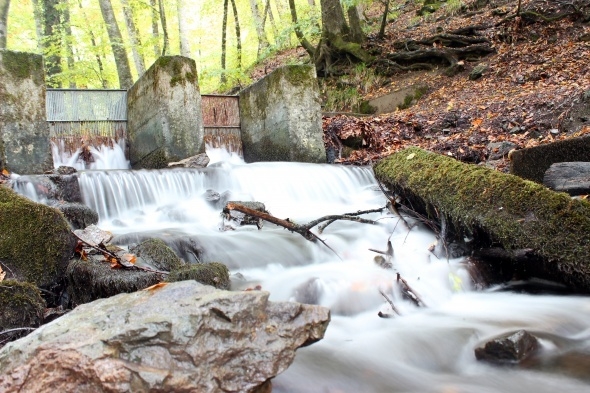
[35,240]
[95,279]
[21,304]
[212,273]
[157,254]
[498,210]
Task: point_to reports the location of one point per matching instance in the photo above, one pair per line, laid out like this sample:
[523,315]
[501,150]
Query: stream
[427,349]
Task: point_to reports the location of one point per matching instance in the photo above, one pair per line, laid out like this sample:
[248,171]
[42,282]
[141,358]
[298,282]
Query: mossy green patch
[212,273]
[23,65]
[35,240]
[21,304]
[95,279]
[516,213]
[157,254]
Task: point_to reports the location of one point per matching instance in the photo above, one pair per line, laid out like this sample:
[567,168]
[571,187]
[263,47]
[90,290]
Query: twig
[408,292]
[390,302]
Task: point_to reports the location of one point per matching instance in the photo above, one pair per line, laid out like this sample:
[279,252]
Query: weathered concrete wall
[532,163]
[281,117]
[24,133]
[164,114]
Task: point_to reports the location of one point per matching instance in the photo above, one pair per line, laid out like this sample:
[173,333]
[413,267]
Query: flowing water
[426,349]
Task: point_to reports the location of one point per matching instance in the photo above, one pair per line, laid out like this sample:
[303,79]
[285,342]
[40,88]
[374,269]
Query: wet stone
[511,348]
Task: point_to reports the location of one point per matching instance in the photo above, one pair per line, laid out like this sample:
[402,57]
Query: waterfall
[426,349]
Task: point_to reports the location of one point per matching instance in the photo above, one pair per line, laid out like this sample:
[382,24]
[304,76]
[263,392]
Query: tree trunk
[4,4]
[155,30]
[336,43]
[539,232]
[356,30]
[166,47]
[261,35]
[119,52]
[38,16]
[268,13]
[304,42]
[67,43]
[185,49]
[238,35]
[100,72]
[381,34]
[134,39]
[52,42]
[223,78]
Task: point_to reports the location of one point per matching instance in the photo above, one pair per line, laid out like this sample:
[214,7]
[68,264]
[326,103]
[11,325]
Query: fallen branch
[409,293]
[390,302]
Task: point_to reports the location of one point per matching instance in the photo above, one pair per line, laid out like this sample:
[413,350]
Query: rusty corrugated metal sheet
[220,111]
[221,121]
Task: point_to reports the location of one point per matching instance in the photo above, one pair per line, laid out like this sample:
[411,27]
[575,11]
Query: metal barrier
[79,118]
[86,117]
[221,121]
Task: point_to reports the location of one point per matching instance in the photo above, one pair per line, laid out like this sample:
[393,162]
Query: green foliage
[346,94]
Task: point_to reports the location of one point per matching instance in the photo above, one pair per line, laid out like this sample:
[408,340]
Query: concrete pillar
[24,133]
[164,114]
[281,117]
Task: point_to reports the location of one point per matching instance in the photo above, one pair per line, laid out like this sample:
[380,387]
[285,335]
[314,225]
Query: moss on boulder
[213,273]
[21,305]
[157,254]
[35,240]
[498,210]
[95,279]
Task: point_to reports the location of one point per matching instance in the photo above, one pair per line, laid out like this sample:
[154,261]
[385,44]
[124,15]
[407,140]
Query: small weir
[428,349]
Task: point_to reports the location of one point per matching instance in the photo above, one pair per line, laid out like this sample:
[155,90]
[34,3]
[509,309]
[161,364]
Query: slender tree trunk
[100,73]
[51,41]
[166,47]
[268,12]
[119,52]
[185,49]
[155,29]
[223,78]
[304,42]
[67,43]
[4,4]
[261,35]
[238,35]
[381,34]
[134,39]
[38,16]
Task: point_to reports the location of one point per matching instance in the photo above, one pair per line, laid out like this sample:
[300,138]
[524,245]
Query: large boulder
[179,337]
[35,240]
[570,177]
[78,215]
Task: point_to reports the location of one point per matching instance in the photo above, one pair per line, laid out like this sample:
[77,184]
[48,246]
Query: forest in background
[87,42]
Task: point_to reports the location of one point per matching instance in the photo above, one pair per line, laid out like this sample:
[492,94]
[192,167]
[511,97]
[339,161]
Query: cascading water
[424,350]
[104,156]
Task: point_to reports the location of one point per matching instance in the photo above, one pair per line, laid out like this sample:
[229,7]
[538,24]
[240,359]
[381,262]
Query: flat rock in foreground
[180,337]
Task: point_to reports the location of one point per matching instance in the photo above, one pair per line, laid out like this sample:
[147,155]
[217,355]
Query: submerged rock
[78,215]
[510,348]
[180,337]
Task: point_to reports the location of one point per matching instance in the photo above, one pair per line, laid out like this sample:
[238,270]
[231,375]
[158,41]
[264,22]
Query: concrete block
[165,123]
[24,133]
[281,117]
